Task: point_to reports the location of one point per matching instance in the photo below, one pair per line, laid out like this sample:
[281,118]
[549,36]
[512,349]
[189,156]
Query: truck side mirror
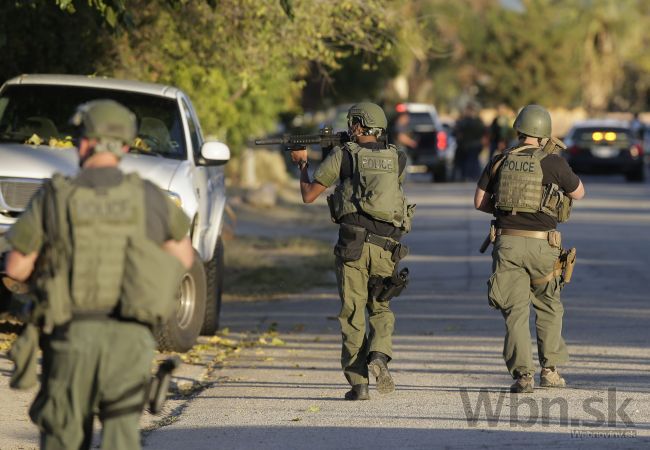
[214,153]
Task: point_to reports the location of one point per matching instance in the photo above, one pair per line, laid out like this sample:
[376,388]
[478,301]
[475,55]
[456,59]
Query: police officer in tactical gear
[521,188]
[97,352]
[370,207]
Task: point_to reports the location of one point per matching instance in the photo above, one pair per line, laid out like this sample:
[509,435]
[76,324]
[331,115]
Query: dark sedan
[605,146]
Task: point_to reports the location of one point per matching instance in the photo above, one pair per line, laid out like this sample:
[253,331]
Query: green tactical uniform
[355,266]
[525,253]
[96,360]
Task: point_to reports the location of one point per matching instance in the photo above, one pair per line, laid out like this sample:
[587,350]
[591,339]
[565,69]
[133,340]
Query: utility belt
[349,247]
[60,332]
[563,266]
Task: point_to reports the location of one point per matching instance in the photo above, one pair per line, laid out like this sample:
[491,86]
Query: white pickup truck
[169,151]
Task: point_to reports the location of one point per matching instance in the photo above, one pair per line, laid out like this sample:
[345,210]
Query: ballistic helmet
[112,124]
[368,114]
[533,120]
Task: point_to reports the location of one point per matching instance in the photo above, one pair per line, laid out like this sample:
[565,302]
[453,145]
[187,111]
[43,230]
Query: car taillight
[441,141]
[636,150]
[574,150]
[400,108]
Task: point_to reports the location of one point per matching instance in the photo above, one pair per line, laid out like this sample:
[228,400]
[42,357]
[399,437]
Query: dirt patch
[260,268]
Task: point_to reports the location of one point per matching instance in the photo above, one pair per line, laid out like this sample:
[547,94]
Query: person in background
[470,134]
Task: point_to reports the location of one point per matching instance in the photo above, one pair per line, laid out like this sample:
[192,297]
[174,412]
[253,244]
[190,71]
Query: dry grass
[263,268]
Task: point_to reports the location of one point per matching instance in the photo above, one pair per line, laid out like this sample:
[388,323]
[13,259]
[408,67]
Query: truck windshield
[40,114]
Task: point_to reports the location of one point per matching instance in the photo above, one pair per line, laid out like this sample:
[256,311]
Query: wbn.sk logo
[525,411]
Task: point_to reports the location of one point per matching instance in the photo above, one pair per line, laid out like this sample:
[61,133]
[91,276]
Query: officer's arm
[175,239]
[310,190]
[182,250]
[20,266]
[26,238]
[483,201]
[578,193]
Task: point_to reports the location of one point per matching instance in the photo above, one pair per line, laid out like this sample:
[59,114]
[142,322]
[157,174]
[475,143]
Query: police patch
[376,163]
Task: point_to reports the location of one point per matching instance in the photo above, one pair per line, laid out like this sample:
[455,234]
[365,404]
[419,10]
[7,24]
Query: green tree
[243,61]
[36,36]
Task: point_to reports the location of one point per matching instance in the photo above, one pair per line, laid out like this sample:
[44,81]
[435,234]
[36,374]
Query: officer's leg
[126,366]
[352,279]
[509,291]
[549,310]
[382,323]
[62,408]
[121,432]
[381,319]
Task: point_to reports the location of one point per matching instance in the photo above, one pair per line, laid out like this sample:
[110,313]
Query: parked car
[169,151]
[434,153]
[605,146]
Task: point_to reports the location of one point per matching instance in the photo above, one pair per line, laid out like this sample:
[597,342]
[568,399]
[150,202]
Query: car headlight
[174,197]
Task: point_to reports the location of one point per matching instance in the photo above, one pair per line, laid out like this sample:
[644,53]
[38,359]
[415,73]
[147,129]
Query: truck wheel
[214,281]
[184,326]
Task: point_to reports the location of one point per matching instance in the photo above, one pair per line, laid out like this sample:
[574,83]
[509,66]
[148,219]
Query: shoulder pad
[352,147]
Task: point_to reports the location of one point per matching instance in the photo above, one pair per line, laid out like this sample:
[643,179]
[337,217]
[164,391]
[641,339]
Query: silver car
[35,142]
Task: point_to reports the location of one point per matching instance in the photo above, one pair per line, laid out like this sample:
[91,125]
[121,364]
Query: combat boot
[551,378]
[378,366]
[358,392]
[523,385]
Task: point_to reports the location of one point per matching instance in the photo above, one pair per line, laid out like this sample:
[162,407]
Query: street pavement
[451,380]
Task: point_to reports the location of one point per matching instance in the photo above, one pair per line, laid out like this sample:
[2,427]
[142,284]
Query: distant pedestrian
[402,132]
[501,131]
[637,127]
[470,134]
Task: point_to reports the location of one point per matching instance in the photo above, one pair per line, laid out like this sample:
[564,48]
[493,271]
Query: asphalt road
[451,380]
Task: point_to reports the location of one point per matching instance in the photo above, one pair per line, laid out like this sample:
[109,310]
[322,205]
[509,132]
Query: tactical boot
[358,392]
[523,385]
[551,378]
[378,366]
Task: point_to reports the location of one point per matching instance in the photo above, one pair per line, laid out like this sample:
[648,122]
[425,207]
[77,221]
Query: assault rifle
[326,138]
[554,146]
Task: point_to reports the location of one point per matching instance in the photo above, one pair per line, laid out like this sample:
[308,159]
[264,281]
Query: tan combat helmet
[533,120]
[369,115]
[112,124]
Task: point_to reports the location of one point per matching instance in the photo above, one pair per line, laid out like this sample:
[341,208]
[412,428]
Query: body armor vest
[520,187]
[373,189]
[93,229]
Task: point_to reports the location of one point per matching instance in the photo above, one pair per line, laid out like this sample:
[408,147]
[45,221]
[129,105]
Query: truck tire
[179,333]
[214,281]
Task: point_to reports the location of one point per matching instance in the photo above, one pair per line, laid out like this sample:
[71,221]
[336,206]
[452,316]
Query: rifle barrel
[299,139]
